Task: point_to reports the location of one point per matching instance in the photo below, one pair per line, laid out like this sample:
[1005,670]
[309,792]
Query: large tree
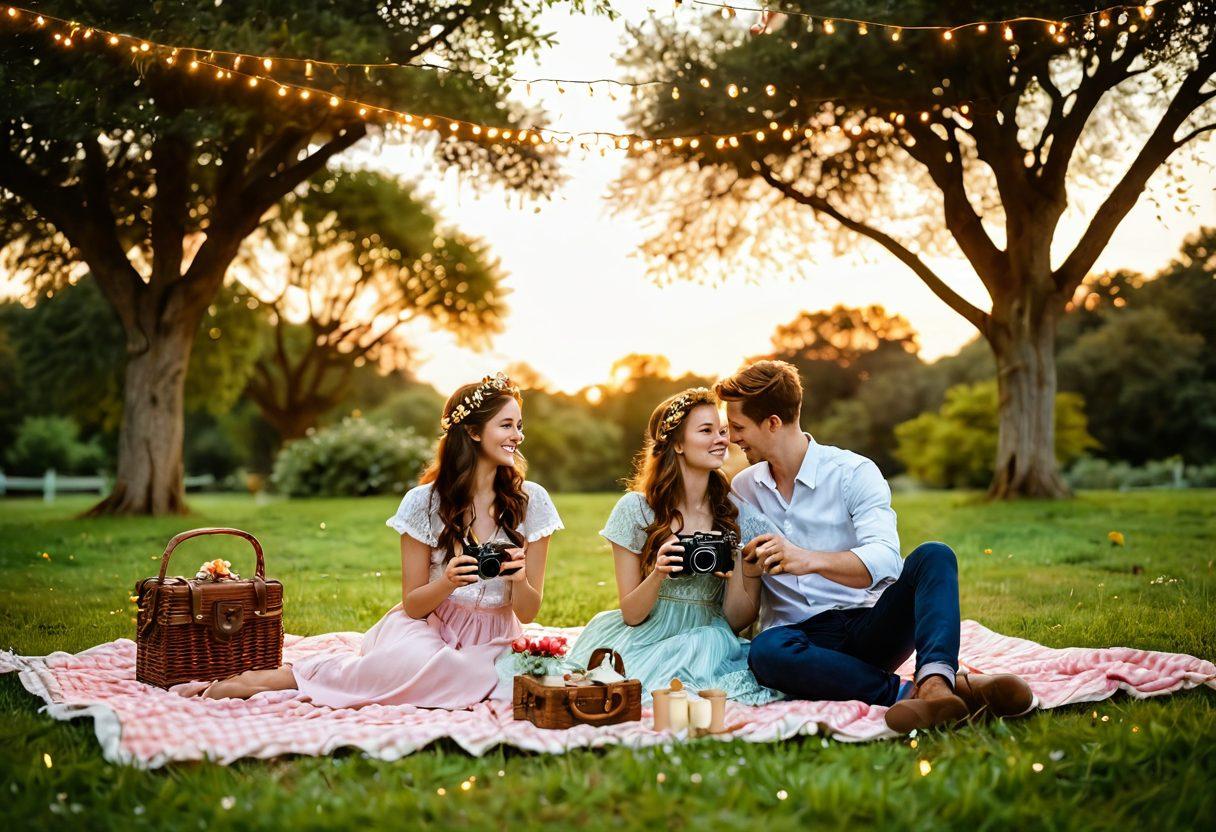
[351,259]
[926,145]
[149,169]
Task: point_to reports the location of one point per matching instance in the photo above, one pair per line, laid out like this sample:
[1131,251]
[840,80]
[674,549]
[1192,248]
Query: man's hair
[766,388]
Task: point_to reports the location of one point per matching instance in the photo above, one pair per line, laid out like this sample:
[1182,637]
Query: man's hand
[777,556]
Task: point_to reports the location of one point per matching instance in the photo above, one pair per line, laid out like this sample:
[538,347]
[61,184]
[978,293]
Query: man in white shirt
[840,610]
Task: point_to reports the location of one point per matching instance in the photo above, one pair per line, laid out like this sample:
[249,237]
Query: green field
[1052,576]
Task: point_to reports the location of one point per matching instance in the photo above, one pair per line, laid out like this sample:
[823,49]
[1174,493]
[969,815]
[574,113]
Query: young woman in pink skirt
[438,647]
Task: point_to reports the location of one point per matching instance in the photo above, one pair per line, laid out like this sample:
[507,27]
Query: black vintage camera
[490,557]
[706,553]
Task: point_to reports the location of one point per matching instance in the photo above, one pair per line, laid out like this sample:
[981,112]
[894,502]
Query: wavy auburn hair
[657,475]
[455,463]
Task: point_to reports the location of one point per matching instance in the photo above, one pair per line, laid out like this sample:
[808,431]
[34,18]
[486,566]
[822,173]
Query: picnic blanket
[144,726]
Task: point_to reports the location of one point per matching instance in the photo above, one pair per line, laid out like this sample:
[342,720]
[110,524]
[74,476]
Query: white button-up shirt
[841,502]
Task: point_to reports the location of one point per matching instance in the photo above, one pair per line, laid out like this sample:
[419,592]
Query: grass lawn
[1053,576]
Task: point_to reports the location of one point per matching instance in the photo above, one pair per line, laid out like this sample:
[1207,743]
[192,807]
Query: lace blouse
[418,516]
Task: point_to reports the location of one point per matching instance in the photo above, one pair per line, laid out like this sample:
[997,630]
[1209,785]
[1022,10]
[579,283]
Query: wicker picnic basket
[565,707]
[201,630]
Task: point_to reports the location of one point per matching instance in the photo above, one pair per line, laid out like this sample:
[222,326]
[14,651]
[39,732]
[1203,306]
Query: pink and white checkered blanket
[147,727]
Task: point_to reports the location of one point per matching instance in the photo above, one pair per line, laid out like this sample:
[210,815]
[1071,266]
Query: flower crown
[678,409]
[490,385]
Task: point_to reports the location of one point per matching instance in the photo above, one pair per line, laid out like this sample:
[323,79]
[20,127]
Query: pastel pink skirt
[443,661]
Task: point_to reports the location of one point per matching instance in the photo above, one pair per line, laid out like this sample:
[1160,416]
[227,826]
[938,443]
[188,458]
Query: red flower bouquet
[539,656]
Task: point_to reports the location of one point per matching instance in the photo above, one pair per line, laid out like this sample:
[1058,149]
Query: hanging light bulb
[675,92]
[947,35]
[982,28]
[863,29]
[1008,33]
[829,27]
[895,34]
[732,90]
[770,90]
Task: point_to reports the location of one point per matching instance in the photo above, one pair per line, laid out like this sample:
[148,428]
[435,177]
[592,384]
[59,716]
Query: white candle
[677,702]
[699,712]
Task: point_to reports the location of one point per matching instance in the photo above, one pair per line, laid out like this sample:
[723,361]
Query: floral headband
[678,409]
[490,386]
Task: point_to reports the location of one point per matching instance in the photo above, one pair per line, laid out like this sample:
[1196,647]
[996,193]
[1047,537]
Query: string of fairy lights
[1057,28]
[255,70]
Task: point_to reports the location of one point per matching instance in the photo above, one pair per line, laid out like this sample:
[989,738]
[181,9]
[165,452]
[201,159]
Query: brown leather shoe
[1003,695]
[918,713]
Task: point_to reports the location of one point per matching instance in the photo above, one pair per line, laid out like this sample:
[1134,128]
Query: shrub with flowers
[539,656]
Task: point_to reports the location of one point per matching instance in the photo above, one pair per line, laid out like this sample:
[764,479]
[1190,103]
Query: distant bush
[1104,474]
[44,442]
[956,447]
[351,459]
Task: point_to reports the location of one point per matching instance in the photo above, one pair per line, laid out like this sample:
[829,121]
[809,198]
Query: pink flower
[521,644]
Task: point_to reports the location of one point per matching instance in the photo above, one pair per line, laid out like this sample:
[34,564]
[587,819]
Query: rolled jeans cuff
[936,669]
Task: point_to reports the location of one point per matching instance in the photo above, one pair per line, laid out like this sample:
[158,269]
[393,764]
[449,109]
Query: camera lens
[490,567]
[703,559]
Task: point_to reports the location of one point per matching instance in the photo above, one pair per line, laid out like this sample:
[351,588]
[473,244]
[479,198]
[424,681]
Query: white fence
[51,484]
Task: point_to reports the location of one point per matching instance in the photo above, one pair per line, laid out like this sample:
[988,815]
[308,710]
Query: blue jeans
[852,653]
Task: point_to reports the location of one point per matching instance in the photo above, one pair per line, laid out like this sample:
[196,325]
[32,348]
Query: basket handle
[597,658]
[614,695]
[260,571]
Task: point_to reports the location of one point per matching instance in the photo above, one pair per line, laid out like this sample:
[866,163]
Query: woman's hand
[515,570]
[669,558]
[461,571]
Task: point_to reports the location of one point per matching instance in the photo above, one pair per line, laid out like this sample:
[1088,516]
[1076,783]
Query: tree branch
[973,315]
[1157,148]
[943,160]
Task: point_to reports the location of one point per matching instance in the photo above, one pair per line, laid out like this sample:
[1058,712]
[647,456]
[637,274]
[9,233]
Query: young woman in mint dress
[680,626]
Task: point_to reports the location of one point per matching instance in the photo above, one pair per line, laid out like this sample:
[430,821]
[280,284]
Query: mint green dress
[686,635]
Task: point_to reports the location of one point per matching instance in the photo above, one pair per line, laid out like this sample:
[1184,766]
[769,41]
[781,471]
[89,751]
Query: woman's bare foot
[245,685]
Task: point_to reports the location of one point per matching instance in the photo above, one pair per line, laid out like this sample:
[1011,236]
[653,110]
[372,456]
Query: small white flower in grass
[1056,755]
[227,802]
[695,778]
[782,794]
[925,767]
[661,777]
[1037,767]
[322,525]
[46,760]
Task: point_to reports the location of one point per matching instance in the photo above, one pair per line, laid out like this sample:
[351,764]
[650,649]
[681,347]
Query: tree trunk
[150,470]
[1023,341]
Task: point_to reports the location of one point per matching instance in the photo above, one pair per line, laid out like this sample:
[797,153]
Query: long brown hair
[657,474]
[454,465]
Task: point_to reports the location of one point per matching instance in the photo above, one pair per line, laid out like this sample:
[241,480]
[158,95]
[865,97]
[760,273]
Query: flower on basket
[538,656]
[216,570]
